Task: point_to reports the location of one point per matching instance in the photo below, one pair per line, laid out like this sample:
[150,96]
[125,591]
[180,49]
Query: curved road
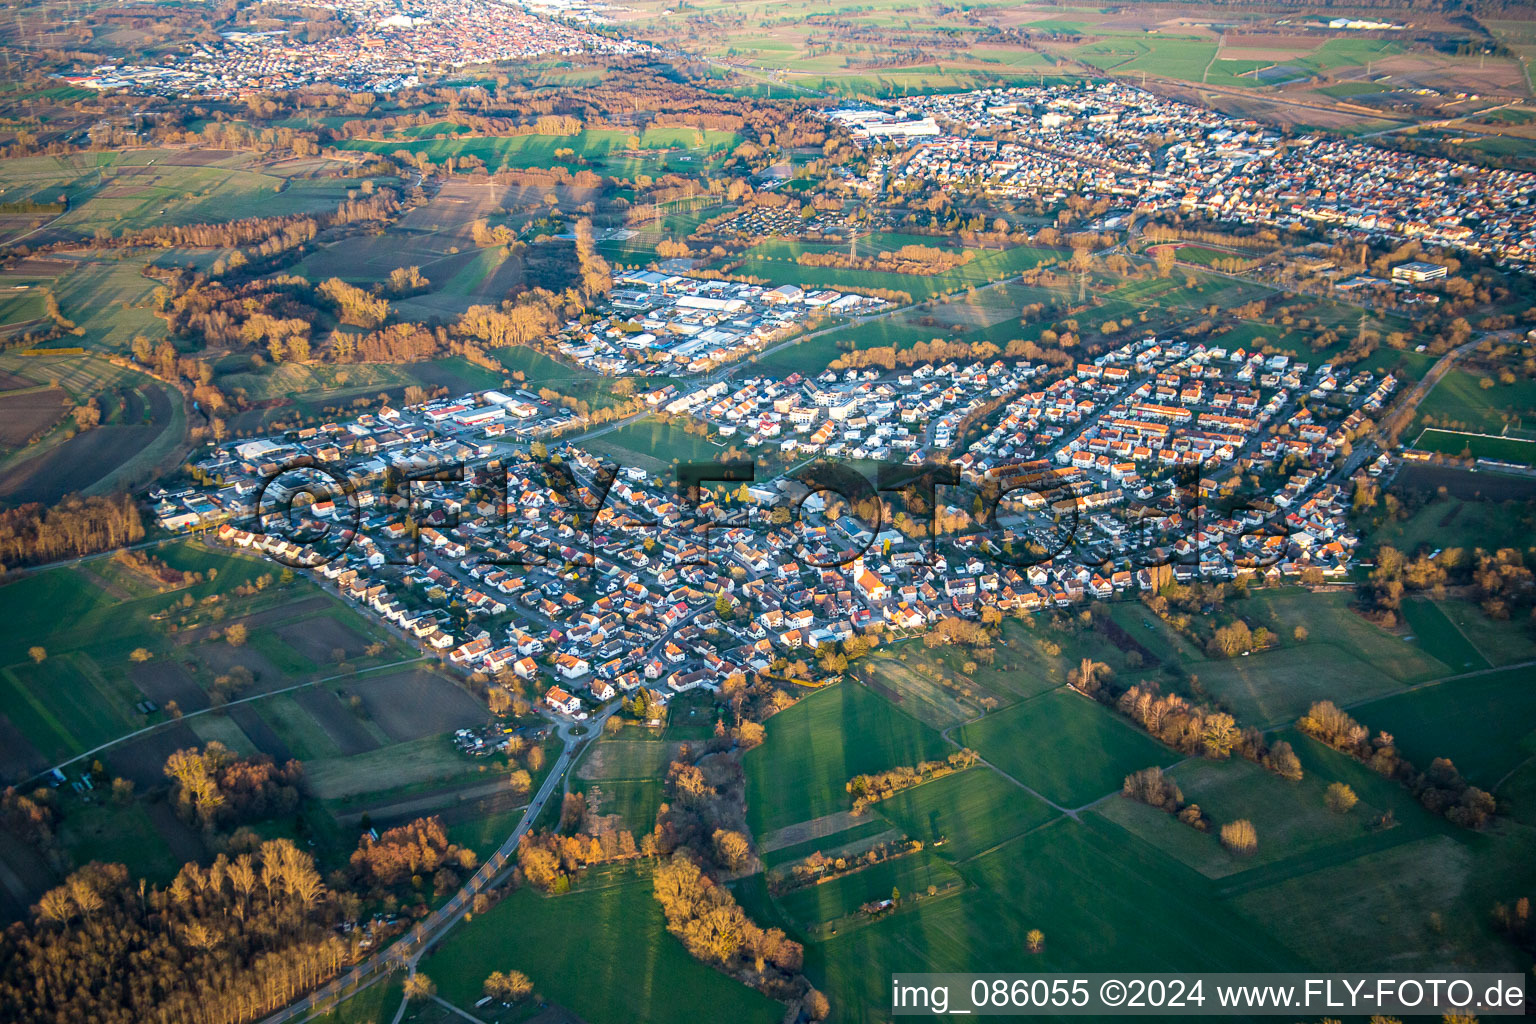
[406,952]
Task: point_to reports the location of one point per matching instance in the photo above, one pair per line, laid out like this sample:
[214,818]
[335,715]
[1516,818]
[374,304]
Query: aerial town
[1123,143]
[644,511]
[598,592]
[391,49]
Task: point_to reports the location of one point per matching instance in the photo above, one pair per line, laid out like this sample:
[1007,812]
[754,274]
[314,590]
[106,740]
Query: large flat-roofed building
[1418,272]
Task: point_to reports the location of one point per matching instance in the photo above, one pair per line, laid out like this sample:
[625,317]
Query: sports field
[1477,446]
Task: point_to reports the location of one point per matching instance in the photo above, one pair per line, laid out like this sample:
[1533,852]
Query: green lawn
[1437,634]
[601,950]
[965,813]
[814,747]
[1501,449]
[1064,746]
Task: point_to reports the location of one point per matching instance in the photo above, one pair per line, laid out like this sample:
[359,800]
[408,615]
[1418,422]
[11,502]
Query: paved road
[407,950]
[221,707]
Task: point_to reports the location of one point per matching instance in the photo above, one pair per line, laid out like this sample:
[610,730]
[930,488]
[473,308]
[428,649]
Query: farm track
[148,729]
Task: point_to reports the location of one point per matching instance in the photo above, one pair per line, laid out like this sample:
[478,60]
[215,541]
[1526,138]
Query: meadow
[1064,746]
[1147,912]
[1440,637]
[601,950]
[128,190]
[653,444]
[775,260]
[1460,402]
[1343,658]
[1486,724]
[814,747]
[965,814]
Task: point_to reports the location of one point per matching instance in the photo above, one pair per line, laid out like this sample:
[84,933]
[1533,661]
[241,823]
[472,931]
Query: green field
[1478,446]
[636,801]
[601,950]
[817,905]
[1277,685]
[855,836]
[88,618]
[814,747]
[129,190]
[653,444]
[1452,522]
[1099,894]
[1497,641]
[1064,746]
[627,759]
[608,152]
[1485,724]
[1460,402]
[1438,635]
[1290,818]
[966,813]
[774,260]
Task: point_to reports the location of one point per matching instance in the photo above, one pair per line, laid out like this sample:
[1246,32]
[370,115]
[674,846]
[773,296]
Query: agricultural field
[776,49]
[814,747]
[817,906]
[130,190]
[966,813]
[610,924]
[1472,523]
[1486,723]
[1290,818]
[1064,746]
[1440,637]
[88,618]
[143,425]
[1150,913]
